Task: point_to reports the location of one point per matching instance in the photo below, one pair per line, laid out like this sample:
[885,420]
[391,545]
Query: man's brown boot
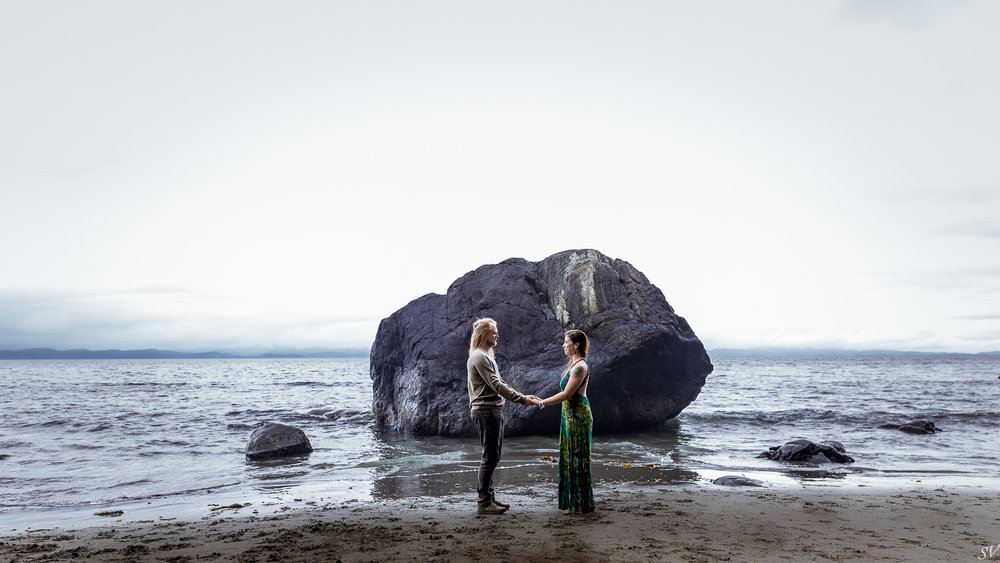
[503,505]
[491,509]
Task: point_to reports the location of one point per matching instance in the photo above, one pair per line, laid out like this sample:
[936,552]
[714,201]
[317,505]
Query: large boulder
[646,362]
[273,440]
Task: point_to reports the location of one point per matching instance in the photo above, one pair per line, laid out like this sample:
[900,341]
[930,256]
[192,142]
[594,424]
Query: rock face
[277,440]
[646,362]
[804,450]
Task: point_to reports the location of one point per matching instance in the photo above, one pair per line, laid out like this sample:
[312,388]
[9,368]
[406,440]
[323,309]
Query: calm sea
[95,433]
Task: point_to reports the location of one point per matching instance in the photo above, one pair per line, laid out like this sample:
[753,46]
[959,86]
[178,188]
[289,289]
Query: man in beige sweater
[487,392]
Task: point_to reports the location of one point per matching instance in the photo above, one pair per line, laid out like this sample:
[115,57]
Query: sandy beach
[632,523]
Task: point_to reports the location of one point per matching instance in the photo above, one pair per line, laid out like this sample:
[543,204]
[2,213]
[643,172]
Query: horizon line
[360,352]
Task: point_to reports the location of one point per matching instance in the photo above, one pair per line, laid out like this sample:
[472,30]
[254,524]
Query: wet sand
[632,523]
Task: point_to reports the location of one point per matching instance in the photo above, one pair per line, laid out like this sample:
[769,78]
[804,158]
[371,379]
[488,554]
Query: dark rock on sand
[277,440]
[914,427]
[738,481]
[804,450]
[646,362]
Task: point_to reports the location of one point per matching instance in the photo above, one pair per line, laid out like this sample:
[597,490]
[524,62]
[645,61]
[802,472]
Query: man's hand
[532,400]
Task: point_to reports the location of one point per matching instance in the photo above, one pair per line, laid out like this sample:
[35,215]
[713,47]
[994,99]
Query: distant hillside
[154,354]
[825,352]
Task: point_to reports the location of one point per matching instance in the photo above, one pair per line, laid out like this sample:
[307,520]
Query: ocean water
[83,434]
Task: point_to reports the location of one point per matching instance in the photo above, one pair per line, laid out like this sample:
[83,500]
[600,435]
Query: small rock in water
[804,450]
[914,427]
[738,481]
[277,440]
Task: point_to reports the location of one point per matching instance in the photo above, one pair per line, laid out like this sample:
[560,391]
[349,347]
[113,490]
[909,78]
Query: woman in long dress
[576,488]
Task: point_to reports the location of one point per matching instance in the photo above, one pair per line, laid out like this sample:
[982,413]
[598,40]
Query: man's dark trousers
[489,422]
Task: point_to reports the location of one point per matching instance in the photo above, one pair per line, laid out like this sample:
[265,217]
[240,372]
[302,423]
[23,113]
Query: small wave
[208,489]
[281,475]
[344,415]
[11,444]
[129,484]
[922,471]
[416,461]
[978,418]
[179,443]
[254,413]
[322,466]
[85,447]
[325,383]
[100,428]
[49,424]
[826,417]
[691,450]
[239,427]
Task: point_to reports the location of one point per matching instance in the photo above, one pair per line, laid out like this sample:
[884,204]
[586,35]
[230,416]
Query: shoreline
[449,481]
[632,522]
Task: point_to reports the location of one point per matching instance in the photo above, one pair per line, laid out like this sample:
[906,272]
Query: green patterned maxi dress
[576,488]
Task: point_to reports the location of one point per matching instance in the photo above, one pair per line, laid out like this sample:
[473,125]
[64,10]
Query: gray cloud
[970,195]
[984,317]
[905,14]
[162,317]
[985,279]
[976,229]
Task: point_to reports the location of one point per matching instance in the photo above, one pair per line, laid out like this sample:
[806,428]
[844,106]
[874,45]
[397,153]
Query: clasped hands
[532,401]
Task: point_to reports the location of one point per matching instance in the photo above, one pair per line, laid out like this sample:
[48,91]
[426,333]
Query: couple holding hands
[487,391]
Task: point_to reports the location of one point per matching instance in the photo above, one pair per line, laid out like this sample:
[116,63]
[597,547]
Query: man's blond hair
[480,328]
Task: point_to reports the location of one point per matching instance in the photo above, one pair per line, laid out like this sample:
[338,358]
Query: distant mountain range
[154,354]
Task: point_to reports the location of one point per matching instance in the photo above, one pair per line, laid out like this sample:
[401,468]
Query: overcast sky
[202,175]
